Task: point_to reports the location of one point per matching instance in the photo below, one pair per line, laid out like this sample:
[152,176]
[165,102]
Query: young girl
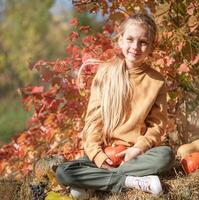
[127,107]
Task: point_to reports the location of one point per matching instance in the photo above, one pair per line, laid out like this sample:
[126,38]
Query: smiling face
[135,43]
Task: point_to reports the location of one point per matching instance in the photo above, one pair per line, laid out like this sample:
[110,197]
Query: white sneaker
[80,193]
[149,184]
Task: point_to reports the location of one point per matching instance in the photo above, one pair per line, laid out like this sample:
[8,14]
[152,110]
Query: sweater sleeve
[156,123]
[92,132]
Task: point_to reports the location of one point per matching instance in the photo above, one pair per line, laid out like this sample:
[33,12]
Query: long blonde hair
[114,85]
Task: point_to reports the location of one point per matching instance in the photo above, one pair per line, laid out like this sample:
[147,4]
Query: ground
[176,184]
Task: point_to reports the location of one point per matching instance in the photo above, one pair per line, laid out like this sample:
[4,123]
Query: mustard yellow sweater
[147,115]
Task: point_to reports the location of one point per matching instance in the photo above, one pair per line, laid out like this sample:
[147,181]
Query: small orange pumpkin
[111,152]
[190,162]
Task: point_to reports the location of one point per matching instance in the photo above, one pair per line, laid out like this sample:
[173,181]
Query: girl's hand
[129,154]
[107,164]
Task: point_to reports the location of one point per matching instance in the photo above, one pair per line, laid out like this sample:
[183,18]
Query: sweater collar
[138,69]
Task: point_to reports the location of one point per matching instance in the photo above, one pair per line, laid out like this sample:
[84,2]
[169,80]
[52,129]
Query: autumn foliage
[59,105]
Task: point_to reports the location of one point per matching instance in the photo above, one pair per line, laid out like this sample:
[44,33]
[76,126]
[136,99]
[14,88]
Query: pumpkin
[111,152]
[190,162]
[196,144]
[189,148]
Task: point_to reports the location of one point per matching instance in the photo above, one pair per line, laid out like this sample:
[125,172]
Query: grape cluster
[38,191]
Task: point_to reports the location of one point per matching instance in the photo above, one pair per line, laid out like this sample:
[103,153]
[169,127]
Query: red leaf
[73,21]
[37,90]
[60,68]
[76,50]
[73,35]
[56,81]
[55,104]
[108,28]
[69,48]
[88,40]
[86,56]
[76,64]
[37,65]
[183,68]
[84,28]
[46,75]
[33,120]
[28,102]
[109,53]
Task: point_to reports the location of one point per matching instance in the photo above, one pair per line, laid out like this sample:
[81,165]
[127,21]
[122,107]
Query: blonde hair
[114,85]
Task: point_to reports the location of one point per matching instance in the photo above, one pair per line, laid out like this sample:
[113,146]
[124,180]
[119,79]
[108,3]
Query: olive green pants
[83,173]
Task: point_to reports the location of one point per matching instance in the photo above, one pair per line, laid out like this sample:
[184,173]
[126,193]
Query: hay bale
[10,189]
[176,185]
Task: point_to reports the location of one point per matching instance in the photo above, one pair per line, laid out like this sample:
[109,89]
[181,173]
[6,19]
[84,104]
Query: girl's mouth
[135,54]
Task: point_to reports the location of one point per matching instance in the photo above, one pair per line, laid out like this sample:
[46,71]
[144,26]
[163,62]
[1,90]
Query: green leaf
[56,196]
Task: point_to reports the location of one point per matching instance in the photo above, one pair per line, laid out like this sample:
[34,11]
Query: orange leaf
[117,16]
[3,164]
[26,168]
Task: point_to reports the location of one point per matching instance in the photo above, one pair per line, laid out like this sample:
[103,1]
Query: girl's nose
[135,45]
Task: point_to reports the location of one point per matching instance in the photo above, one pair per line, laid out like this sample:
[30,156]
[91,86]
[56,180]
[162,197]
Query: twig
[79,2]
[124,11]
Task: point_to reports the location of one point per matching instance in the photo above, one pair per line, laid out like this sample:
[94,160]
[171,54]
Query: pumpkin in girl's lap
[112,151]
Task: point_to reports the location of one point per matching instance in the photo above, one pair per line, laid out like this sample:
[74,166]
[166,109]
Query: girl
[127,107]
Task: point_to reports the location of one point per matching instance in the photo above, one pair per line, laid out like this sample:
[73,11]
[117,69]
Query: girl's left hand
[107,164]
[129,153]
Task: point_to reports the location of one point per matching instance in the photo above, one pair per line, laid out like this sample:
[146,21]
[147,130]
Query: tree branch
[82,2]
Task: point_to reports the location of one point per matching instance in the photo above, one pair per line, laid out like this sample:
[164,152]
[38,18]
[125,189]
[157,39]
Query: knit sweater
[146,121]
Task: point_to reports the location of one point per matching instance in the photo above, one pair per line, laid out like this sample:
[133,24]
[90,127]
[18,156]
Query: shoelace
[143,184]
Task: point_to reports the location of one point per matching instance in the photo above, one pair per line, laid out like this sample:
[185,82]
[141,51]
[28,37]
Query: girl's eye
[130,39]
[144,42]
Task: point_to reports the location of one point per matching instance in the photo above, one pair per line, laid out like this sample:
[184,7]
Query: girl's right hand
[107,164]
